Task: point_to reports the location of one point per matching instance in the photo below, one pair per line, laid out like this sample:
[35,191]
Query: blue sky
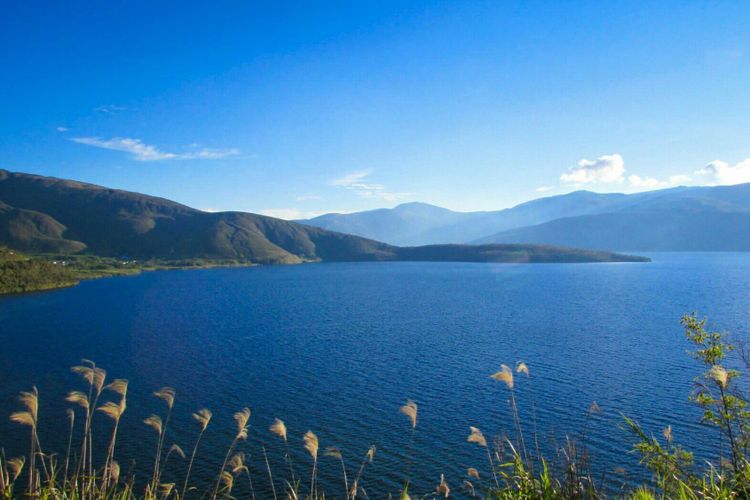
[298,109]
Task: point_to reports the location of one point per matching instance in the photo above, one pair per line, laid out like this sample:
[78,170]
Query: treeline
[19,273]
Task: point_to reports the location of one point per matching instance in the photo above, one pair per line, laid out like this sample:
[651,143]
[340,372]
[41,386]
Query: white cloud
[605,169]
[676,180]
[146,152]
[544,189]
[722,173]
[62,129]
[290,213]
[355,181]
[646,182]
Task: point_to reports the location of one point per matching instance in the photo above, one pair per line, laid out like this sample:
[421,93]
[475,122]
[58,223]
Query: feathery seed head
[279,428]
[118,386]
[472,472]
[371,453]
[16,466]
[594,408]
[242,417]
[522,368]
[71,414]
[166,394]
[477,437]
[112,410]
[469,486]
[311,444]
[203,417]
[79,398]
[720,375]
[86,372]
[504,375]
[667,433]
[175,448]
[30,400]
[228,480]
[114,469]
[333,452]
[23,418]
[410,410]
[237,463]
[154,421]
[99,377]
[166,489]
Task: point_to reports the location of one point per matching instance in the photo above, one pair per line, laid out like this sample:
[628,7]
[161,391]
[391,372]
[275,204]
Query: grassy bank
[514,466]
[21,273]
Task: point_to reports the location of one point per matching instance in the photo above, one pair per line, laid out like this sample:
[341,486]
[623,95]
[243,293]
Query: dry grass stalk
[369,457]
[442,487]
[410,410]
[476,436]
[334,452]
[505,375]
[311,445]
[279,428]
[166,394]
[203,417]
[114,411]
[29,418]
[270,475]
[241,419]
[470,486]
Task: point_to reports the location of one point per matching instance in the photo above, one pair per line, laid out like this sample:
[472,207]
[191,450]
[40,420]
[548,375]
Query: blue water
[337,348]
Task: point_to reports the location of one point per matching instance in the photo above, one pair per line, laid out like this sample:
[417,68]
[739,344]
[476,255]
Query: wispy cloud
[722,173]
[62,129]
[146,152]
[307,197]
[109,109]
[544,189]
[357,182]
[605,169]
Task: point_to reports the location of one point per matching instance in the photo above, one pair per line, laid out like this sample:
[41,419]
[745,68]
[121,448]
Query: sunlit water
[337,348]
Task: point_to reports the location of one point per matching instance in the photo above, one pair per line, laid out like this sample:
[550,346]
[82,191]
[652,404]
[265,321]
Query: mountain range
[708,218]
[49,215]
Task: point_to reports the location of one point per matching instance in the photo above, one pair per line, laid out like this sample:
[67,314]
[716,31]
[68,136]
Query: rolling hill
[43,214]
[682,218]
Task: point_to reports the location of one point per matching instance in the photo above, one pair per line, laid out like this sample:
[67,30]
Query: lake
[338,348]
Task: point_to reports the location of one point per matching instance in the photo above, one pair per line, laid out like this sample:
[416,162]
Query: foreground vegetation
[514,466]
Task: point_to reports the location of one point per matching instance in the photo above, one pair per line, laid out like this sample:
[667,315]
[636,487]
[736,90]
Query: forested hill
[48,215]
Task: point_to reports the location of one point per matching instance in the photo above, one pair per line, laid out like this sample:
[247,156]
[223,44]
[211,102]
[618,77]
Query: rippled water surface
[337,348]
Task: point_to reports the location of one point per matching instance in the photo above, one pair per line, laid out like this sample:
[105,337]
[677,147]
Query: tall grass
[510,471]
